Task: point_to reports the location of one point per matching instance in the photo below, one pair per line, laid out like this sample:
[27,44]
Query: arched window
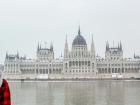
[76,63]
[79,63]
[88,63]
[92,64]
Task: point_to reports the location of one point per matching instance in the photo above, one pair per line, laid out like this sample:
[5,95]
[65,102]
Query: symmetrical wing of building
[77,63]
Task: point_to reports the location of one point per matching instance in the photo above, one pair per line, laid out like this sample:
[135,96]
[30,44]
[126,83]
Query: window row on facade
[118,70]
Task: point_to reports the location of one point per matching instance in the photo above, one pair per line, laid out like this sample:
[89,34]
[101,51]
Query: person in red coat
[5,98]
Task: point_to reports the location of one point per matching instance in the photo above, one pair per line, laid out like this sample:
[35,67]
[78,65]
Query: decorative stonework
[78,63]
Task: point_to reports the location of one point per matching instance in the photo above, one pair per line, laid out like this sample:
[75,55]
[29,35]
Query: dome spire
[79,32]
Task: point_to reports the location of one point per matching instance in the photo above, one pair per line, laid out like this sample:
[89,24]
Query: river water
[98,92]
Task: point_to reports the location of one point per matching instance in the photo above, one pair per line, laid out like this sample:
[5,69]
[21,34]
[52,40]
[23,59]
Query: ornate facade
[77,63]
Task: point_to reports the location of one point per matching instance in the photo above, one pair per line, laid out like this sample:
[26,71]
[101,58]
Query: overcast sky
[24,23]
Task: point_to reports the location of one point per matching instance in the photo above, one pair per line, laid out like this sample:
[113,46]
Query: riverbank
[73,79]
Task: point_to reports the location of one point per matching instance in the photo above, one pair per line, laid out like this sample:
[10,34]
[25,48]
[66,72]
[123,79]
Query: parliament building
[77,63]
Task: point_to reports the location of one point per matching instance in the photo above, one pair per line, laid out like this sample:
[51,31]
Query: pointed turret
[51,46]
[120,46]
[92,48]
[38,48]
[17,55]
[6,55]
[134,55]
[61,55]
[66,49]
[107,46]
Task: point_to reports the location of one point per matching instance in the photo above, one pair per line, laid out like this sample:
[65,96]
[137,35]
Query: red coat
[5,98]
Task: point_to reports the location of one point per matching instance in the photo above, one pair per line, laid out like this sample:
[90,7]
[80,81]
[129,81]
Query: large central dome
[79,39]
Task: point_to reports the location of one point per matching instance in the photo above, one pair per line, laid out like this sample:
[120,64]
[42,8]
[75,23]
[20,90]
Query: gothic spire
[38,47]
[92,48]
[134,55]
[66,48]
[92,40]
[107,46]
[6,55]
[61,55]
[17,54]
[51,46]
[120,46]
[66,43]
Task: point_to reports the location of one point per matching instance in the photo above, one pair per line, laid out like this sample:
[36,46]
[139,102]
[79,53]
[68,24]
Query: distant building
[78,63]
[1,67]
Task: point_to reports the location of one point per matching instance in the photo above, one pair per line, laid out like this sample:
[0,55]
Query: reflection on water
[76,93]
